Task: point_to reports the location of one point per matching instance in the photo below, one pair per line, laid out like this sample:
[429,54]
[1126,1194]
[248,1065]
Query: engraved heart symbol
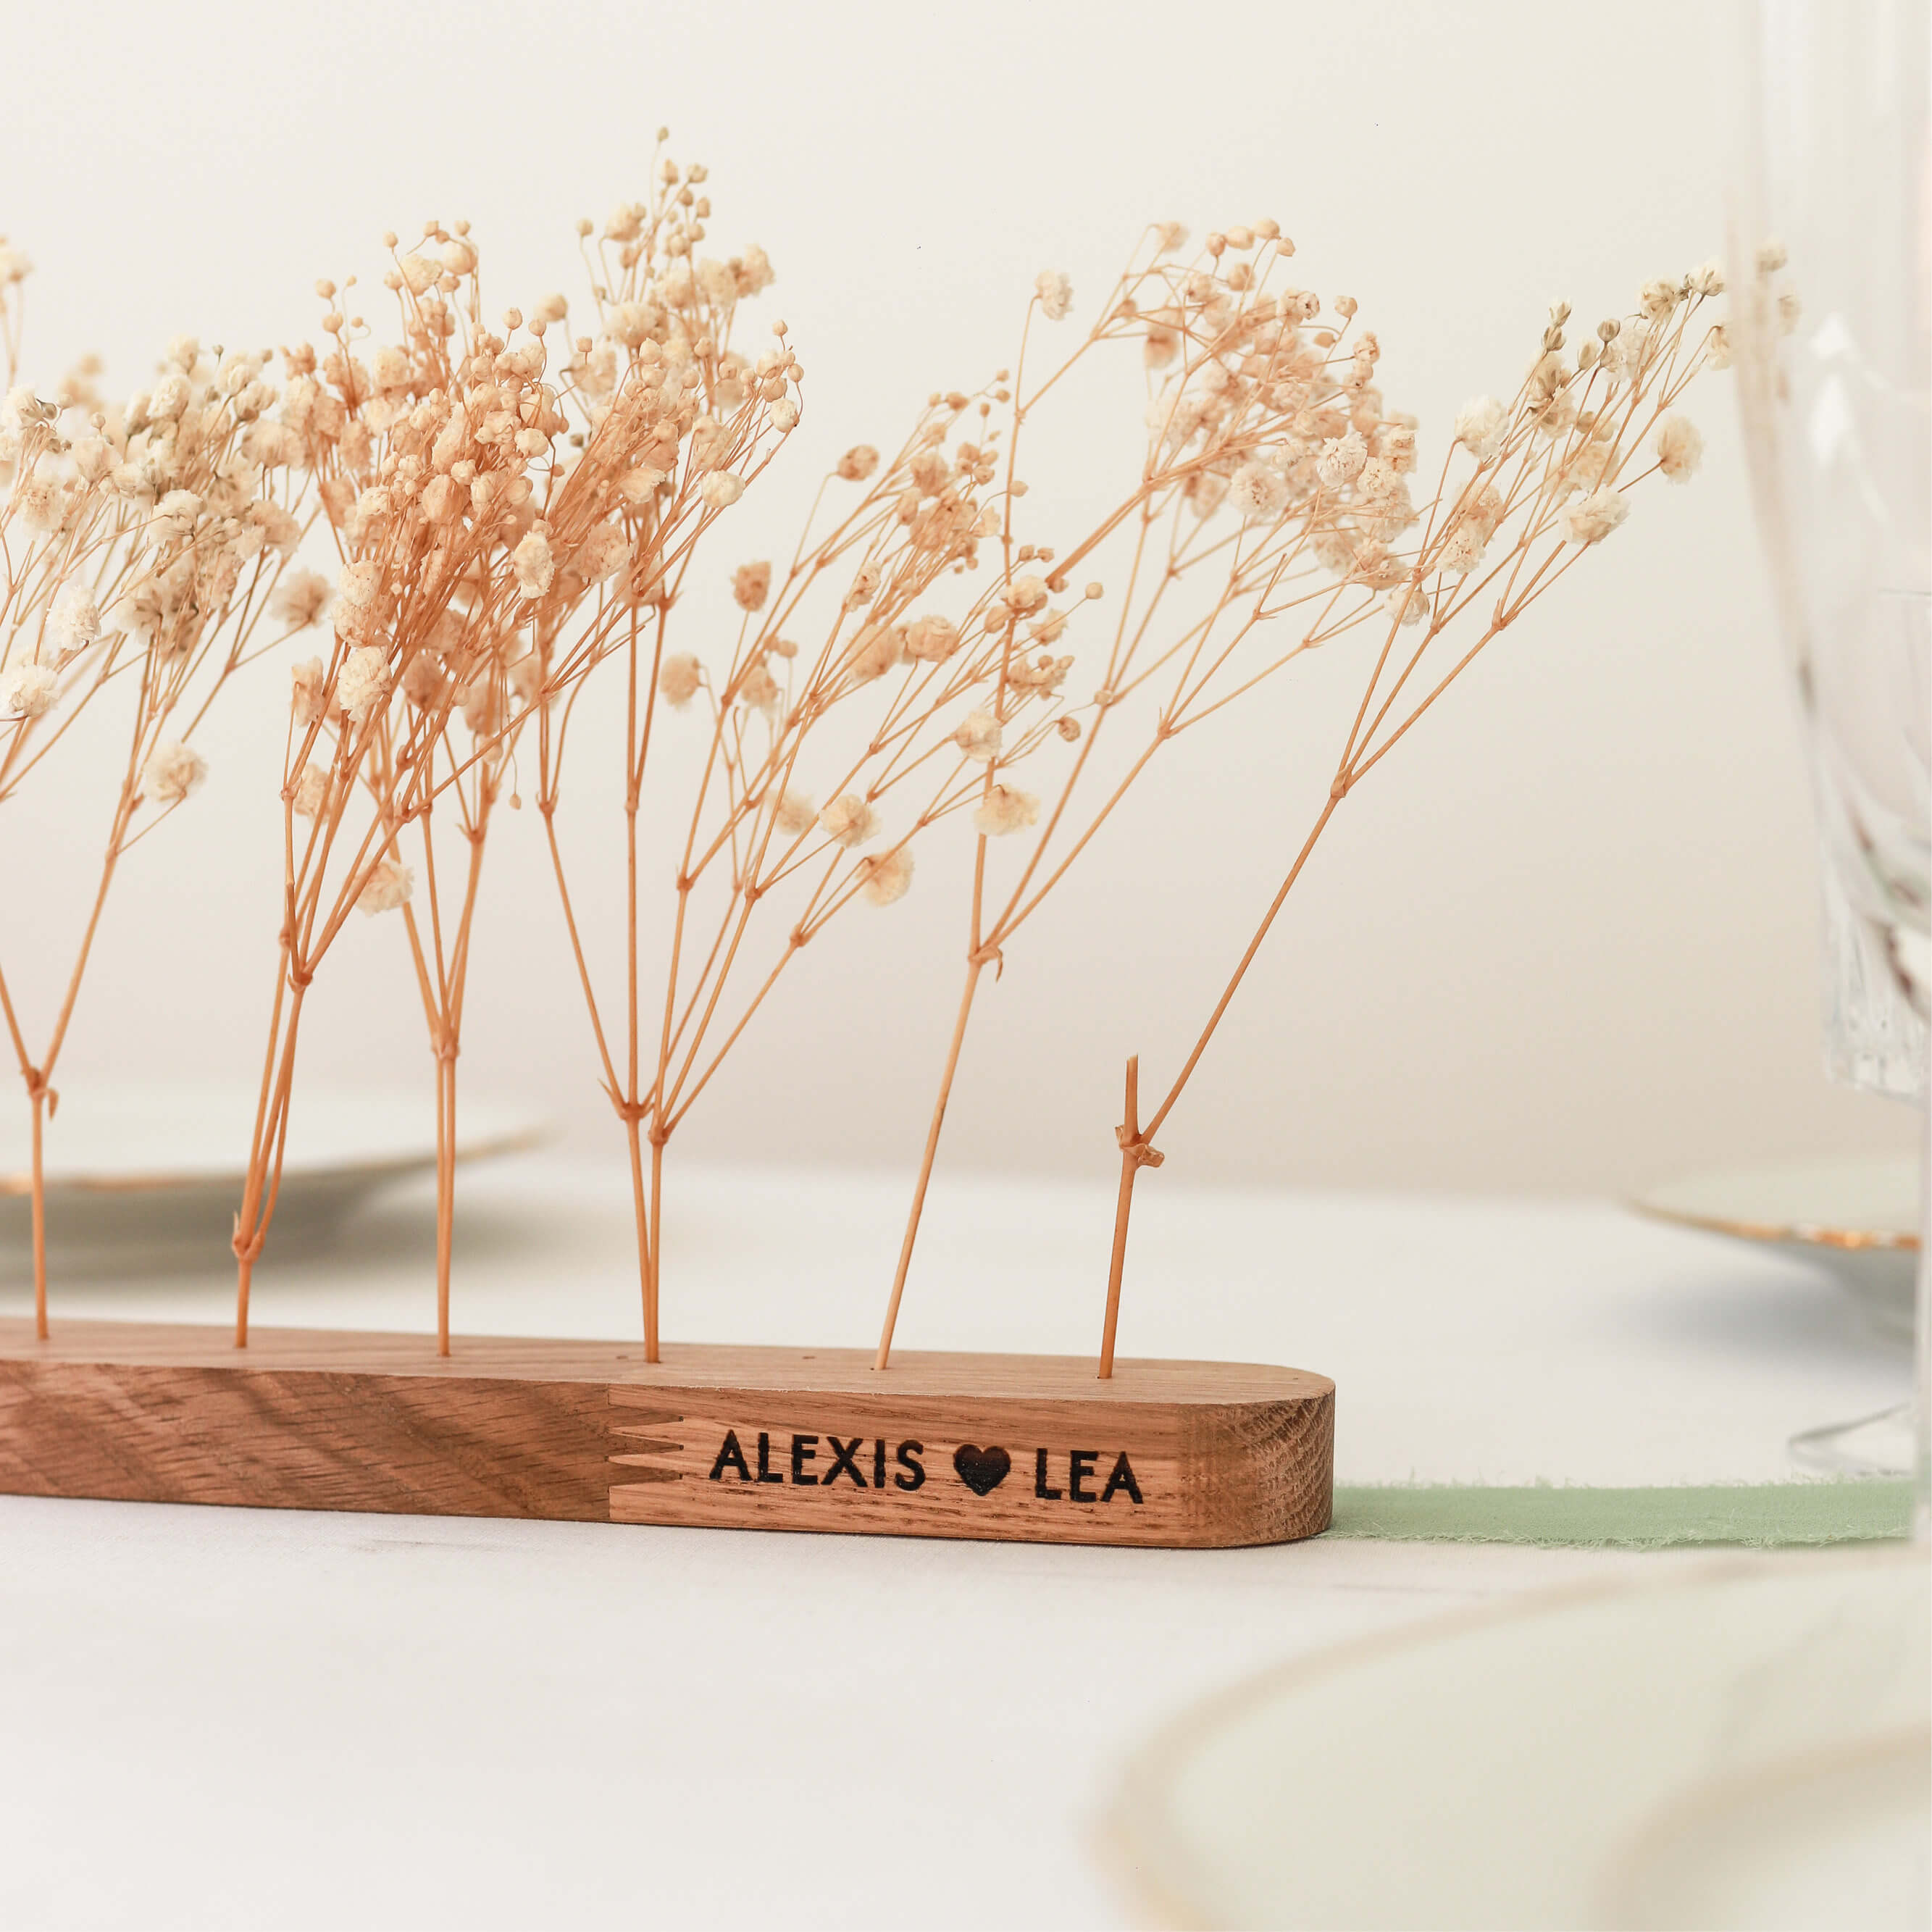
[982,1471]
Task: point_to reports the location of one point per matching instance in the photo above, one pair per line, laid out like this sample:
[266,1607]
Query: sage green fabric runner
[1759,1515]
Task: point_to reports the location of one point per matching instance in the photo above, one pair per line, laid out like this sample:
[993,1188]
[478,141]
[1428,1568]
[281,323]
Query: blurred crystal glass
[1873,1039]
[1830,273]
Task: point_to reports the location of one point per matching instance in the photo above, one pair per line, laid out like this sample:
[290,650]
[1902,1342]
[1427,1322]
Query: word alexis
[864,1465]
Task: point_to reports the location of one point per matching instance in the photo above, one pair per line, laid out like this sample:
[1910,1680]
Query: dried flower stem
[42,1098]
[1137,1147]
[973,971]
[442,979]
[1137,1151]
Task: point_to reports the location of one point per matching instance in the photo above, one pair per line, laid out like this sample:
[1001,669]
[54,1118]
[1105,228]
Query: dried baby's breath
[1278,511]
[512,512]
[143,548]
[511,506]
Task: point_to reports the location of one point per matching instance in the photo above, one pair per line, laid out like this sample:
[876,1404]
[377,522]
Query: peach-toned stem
[269,1143]
[656,1270]
[973,968]
[623,1094]
[36,1085]
[643,1207]
[1135,1153]
[642,697]
[40,1098]
[1137,1148]
[43,1100]
[445,1187]
[643,1203]
[443,1003]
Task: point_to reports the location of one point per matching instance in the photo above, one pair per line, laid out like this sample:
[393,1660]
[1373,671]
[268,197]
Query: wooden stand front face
[1032,1448]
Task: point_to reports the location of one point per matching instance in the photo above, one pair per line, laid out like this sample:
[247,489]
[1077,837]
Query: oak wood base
[1029,1448]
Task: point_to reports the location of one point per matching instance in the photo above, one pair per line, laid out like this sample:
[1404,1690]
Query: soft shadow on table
[524,1224]
[395,1226]
[1774,1309]
[399,1227]
[174,1257]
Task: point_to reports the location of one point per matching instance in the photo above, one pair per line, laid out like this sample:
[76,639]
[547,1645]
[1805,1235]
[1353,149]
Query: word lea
[831,1461]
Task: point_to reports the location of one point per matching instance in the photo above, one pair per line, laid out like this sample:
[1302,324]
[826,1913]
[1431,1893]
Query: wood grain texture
[1008,1448]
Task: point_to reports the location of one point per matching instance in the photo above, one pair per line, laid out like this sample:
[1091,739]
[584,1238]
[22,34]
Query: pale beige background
[1567,940]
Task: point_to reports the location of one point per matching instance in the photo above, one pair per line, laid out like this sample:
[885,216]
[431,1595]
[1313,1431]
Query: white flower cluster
[159,527]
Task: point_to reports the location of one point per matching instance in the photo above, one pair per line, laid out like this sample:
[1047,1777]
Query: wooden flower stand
[1029,1448]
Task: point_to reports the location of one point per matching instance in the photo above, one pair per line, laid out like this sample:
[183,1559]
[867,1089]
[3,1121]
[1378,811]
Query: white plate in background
[1858,1218]
[1745,1746]
[158,1170]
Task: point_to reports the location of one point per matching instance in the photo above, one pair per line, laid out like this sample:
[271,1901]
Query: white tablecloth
[218,1717]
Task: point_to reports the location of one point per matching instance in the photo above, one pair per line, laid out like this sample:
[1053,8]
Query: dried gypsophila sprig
[445,717]
[353,750]
[423,547]
[1267,422]
[1553,471]
[499,534]
[141,554]
[677,424]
